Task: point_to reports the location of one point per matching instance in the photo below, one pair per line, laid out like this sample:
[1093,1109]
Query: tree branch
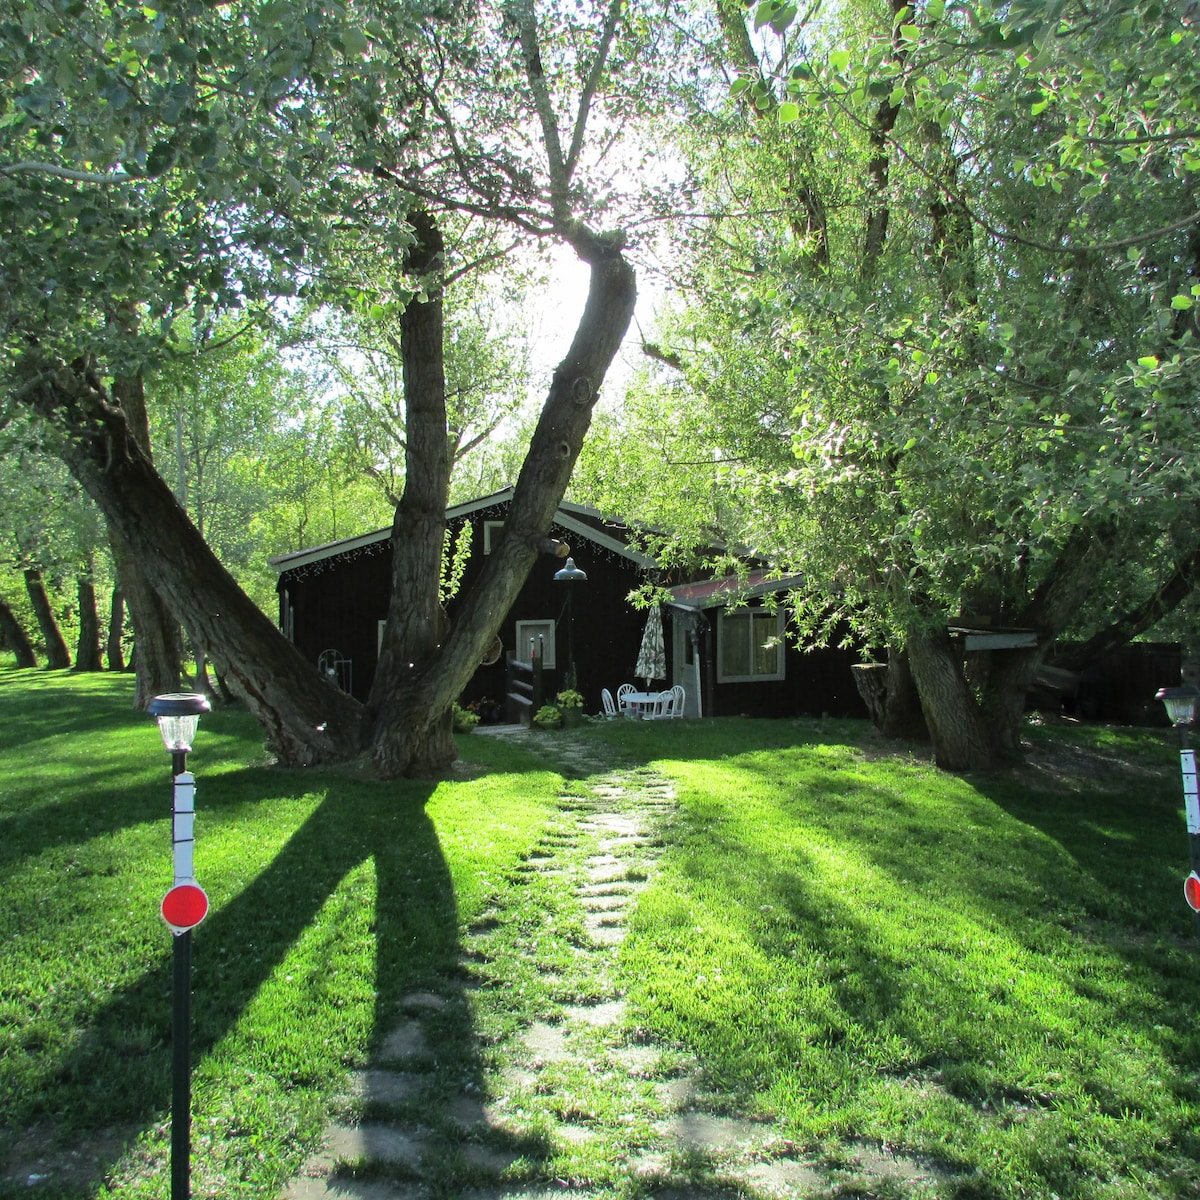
[42,168]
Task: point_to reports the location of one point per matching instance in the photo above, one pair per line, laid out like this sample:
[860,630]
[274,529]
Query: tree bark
[960,737]
[411,701]
[306,719]
[902,716]
[158,646]
[15,638]
[58,656]
[113,650]
[406,741]
[87,657]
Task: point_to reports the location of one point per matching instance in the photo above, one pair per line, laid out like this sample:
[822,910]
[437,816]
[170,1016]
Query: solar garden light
[1180,704]
[570,574]
[183,908]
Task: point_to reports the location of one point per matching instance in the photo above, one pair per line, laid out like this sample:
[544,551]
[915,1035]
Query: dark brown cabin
[731,660]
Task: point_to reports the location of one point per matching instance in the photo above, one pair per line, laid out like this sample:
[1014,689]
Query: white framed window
[749,645]
[536,637]
[491,533]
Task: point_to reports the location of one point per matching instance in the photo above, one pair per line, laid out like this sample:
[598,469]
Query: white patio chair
[626,689]
[669,704]
[610,707]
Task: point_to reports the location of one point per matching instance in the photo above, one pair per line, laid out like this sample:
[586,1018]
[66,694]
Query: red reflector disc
[1191,891]
[184,907]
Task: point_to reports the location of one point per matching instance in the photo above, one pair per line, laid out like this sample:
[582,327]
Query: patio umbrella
[652,657]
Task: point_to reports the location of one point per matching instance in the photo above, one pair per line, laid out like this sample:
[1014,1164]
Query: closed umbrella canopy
[652,657]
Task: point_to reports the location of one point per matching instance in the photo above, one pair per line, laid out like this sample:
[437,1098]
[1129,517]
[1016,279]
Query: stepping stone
[617,823]
[785,1177]
[349,1189]
[404,1044]
[428,1001]
[469,1112]
[374,1143]
[486,1158]
[599,1016]
[639,1061]
[675,1093]
[706,1132]
[574,1135]
[385,1087]
[548,1043]
[604,933]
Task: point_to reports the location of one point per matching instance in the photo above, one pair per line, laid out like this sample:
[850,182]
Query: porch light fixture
[570,574]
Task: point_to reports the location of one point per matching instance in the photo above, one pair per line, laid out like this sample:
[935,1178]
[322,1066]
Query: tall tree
[14,636]
[188,142]
[950,386]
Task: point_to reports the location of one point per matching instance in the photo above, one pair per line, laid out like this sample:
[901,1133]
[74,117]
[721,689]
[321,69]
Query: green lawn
[999,975]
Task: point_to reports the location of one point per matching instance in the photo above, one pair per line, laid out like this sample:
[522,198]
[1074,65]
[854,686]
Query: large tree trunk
[58,656]
[87,657]
[113,650]
[306,718]
[158,648]
[410,702]
[960,738]
[902,715]
[405,741]
[15,638]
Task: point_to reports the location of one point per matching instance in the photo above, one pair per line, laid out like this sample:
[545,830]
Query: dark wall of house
[1121,686]
[338,603]
[593,618]
[816,683]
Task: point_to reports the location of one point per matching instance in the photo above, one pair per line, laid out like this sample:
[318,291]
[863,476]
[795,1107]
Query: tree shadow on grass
[942,931]
[117,1072]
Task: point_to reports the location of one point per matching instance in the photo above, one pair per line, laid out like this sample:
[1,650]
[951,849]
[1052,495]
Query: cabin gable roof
[577,519]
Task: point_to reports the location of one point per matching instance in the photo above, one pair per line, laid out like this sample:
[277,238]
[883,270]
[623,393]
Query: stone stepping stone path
[573,1096]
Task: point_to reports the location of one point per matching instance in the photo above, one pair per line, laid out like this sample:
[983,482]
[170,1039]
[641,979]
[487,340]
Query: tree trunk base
[410,748]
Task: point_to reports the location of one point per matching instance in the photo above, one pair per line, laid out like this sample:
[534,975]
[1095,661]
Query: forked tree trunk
[87,657]
[308,720]
[404,741]
[114,650]
[15,638]
[411,722]
[58,656]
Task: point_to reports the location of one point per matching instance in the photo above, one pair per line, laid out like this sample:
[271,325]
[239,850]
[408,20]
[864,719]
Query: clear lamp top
[178,715]
[1180,703]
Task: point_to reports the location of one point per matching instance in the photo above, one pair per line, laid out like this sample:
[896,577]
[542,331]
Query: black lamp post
[1180,704]
[570,574]
[183,908]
